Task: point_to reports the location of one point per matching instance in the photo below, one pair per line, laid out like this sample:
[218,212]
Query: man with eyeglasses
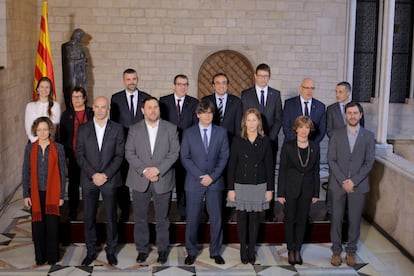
[180,109]
[267,100]
[304,104]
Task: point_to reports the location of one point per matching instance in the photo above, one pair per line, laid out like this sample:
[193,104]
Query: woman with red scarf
[43,184]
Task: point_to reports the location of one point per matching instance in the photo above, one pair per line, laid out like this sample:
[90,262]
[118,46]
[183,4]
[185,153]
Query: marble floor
[375,256]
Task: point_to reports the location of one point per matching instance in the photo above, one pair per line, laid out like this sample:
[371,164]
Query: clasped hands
[348,185]
[99,179]
[151,173]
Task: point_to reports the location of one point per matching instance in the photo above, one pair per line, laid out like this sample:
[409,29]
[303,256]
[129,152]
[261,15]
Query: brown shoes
[336,260]
[350,259]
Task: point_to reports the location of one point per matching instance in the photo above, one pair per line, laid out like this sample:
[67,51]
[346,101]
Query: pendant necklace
[304,164]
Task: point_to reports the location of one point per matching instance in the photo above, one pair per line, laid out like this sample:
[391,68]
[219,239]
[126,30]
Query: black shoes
[162,257]
[142,257]
[88,260]
[111,259]
[190,259]
[291,257]
[298,258]
[218,259]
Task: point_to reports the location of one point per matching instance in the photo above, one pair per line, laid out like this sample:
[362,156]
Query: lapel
[253,98]
[298,105]
[157,143]
[145,138]
[108,130]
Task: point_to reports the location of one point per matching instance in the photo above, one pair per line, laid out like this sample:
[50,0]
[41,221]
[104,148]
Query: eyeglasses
[181,84]
[221,83]
[77,97]
[308,87]
[262,76]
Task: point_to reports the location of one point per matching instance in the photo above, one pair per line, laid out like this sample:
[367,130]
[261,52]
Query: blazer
[188,116]
[66,128]
[197,162]
[251,163]
[272,116]
[295,180]
[335,120]
[293,109]
[232,114]
[138,154]
[355,165]
[107,160]
[120,109]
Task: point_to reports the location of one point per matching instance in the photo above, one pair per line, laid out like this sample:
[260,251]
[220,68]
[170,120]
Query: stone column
[350,40]
[410,99]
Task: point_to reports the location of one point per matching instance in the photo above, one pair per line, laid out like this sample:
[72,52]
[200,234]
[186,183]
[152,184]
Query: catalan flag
[44,66]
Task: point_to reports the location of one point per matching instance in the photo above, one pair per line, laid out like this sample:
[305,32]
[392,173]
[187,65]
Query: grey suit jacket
[138,154]
[355,165]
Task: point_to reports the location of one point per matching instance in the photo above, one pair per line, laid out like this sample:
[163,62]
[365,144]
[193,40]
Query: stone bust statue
[74,64]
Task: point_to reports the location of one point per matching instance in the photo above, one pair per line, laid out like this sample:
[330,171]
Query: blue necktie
[262,100]
[205,140]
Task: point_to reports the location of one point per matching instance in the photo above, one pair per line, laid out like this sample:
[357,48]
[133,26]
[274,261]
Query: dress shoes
[336,260]
[298,258]
[88,260]
[190,259]
[112,260]
[162,257]
[218,259]
[350,259]
[142,257]
[252,260]
[291,257]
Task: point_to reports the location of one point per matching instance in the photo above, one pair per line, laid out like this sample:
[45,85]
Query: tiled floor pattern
[376,256]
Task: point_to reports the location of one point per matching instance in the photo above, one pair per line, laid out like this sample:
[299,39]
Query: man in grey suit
[351,155]
[267,100]
[151,149]
[99,152]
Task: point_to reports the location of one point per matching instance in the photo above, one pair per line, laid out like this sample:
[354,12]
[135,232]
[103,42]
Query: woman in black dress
[298,184]
[250,181]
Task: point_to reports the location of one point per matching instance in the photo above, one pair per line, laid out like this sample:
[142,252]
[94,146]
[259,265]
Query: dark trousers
[270,213]
[90,203]
[179,187]
[46,235]
[73,186]
[247,229]
[296,219]
[162,222]
[123,196]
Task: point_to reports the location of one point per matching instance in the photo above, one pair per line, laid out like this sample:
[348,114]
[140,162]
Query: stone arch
[235,65]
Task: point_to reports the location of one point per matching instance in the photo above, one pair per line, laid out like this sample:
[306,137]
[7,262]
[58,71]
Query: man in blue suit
[304,104]
[204,154]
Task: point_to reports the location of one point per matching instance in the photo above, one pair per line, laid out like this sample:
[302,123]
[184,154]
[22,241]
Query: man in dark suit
[267,100]
[100,151]
[204,154]
[305,104]
[151,149]
[126,110]
[228,108]
[351,156]
[179,109]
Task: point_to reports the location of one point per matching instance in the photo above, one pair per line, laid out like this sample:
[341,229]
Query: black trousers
[73,187]
[46,235]
[248,229]
[122,193]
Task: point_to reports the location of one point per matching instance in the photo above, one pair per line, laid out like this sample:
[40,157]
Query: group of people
[219,151]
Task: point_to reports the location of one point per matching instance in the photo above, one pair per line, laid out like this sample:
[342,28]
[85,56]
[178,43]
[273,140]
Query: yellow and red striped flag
[44,66]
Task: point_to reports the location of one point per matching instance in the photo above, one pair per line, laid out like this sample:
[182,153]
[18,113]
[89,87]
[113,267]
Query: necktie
[343,112]
[262,100]
[205,140]
[178,109]
[306,109]
[220,109]
[132,106]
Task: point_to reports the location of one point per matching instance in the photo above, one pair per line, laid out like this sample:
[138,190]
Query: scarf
[52,185]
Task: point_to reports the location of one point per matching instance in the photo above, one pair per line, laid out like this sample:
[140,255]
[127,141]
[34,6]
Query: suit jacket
[120,109]
[232,115]
[91,160]
[355,165]
[293,109]
[138,154]
[272,116]
[188,116]
[66,128]
[335,120]
[295,180]
[197,162]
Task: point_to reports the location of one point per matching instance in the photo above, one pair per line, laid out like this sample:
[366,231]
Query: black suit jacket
[272,116]
[108,160]
[188,116]
[293,109]
[232,115]
[295,180]
[120,109]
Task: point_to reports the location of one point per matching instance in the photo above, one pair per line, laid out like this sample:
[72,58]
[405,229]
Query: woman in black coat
[298,185]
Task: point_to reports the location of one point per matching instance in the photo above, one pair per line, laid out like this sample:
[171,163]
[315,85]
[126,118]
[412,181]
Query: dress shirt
[259,94]
[352,137]
[38,109]
[100,132]
[224,97]
[208,132]
[181,102]
[302,102]
[152,134]
[135,100]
